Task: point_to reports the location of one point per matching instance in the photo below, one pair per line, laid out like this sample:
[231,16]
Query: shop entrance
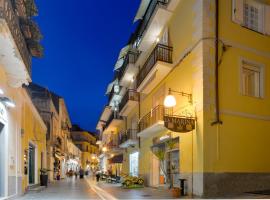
[134,164]
[2,161]
[31,164]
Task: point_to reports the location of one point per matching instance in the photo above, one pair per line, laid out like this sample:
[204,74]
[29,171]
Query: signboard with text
[179,124]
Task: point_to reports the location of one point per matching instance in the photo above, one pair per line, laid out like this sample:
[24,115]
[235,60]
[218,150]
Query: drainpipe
[218,121]
[139,118]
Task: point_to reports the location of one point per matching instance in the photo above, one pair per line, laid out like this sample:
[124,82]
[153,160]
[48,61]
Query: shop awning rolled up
[116,159]
[142,9]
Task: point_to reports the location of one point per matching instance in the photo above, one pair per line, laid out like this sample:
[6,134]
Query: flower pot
[175,192]
[44,180]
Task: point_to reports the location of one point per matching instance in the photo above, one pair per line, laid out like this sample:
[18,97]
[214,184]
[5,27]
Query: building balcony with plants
[23,37]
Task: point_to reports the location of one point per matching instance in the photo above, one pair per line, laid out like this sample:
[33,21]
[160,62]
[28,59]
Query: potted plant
[160,153]
[44,177]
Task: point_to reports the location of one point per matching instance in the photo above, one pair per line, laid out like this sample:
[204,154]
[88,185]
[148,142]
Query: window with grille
[251,80]
[253,15]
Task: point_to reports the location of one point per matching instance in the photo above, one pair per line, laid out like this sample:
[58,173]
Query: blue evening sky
[82,39]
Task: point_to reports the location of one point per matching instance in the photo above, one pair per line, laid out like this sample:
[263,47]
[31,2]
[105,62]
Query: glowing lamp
[104,149]
[169,101]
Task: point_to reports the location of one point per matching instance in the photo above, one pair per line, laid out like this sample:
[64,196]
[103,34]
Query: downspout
[218,121]
[139,118]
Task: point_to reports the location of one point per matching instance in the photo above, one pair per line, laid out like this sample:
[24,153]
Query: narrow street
[87,188]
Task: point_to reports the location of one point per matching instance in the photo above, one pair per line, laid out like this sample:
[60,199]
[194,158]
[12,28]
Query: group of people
[80,172]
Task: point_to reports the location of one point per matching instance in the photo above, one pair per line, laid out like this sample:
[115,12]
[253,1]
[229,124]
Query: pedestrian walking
[97,176]
[81,173]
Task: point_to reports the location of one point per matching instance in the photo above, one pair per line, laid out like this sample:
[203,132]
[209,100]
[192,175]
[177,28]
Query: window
[252,79]
[252,14]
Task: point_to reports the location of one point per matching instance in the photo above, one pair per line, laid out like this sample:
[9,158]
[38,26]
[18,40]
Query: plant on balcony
[30,29]
[35,48]
[133,182]
[30,8]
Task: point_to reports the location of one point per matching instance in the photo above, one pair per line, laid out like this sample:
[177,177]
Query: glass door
[134,164]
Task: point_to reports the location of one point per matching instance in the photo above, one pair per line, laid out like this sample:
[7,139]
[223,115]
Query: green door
[31,164]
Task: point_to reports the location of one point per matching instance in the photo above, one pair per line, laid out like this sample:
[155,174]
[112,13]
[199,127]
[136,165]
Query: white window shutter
[165,37]
[238,11]
[267,19]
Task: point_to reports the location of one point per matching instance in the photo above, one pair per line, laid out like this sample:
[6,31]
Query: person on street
[81,173]
[97,176]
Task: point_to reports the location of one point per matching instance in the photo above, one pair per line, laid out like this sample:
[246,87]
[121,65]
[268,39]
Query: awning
[116,159]
[110,86]
[121,57]
[142,9]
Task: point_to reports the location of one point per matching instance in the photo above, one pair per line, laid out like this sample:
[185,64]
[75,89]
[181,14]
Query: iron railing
[160,53]
[146,19]
[8,13]
[130,58]
[114,115]
[156,114]
[130,134]
[131,95]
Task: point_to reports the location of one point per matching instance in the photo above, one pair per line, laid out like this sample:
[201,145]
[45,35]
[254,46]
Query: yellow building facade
[33,143]
[87,144]
[226,96]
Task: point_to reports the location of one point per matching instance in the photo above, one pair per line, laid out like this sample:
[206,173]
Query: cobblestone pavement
[69,188]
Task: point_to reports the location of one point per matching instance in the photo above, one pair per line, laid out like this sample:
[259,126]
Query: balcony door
[158,97]
[134,164]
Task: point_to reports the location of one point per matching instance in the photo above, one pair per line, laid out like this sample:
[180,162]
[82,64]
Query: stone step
[35,188]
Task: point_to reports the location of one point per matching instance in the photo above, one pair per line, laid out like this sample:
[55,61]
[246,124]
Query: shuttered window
[252,14]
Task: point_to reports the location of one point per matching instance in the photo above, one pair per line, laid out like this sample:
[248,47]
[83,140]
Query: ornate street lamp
[170,100]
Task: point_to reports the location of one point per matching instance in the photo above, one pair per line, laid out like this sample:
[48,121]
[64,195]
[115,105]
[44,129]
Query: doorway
[134,164]
[31,164]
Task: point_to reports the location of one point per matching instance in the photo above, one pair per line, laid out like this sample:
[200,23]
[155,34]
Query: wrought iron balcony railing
[8,13]
[131,95]
[160,53]
[155,115]
[114,115]
[130,134]
[130,58]
[146,19]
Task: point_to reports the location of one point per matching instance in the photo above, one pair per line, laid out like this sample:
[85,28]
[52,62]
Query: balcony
[156,67]
[15,56]
[129,138]
[114,121]
[129,101]
[153,22]
[128,70]
[113,146]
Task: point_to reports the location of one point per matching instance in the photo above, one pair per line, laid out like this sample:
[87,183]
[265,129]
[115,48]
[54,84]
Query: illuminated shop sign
[179,124]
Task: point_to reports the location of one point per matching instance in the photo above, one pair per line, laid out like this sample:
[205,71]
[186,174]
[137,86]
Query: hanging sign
[179,124]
